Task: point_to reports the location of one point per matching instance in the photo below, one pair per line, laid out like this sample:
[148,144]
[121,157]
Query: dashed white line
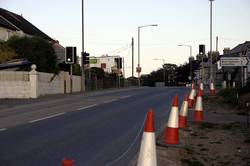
[109,101]
[47,117]
[3,129]
[83,108]
[124,97]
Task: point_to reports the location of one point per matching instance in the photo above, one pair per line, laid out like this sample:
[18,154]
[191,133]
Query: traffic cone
[172,130]
[198,112]
[202,88]
[183,113]
[191,97]
[147,156]
[68,162]
[212,89]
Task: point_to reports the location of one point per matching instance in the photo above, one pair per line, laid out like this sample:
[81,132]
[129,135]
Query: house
[110,64]
[12,24]
[236,74]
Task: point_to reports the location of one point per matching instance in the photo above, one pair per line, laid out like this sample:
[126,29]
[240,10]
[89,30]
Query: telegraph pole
[82,54]
[211,54]
[132,57]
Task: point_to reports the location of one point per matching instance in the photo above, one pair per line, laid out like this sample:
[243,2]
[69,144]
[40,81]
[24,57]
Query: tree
[37,50]
[6,53]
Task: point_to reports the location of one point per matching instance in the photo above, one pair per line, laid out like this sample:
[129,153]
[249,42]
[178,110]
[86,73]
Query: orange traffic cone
[191,97]
[147,156]
[212,89]
[68,162]
[172,130]
[183,113]
[198,113]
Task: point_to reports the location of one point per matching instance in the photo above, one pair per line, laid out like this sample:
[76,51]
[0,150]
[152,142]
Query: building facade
[110,64]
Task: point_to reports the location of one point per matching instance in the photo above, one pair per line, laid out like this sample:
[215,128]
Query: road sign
[234,61]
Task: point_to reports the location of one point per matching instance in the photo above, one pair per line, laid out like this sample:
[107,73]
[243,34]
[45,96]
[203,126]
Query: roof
[6,24]
[238,49]
[13,21]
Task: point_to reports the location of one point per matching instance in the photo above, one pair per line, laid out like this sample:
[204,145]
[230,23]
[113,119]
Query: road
[93,130]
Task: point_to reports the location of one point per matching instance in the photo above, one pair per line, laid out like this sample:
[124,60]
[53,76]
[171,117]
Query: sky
[111,24]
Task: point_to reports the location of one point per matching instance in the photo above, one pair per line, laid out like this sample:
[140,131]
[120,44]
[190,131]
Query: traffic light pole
[71,83]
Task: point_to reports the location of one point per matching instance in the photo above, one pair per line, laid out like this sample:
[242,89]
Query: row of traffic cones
[201,87]
[147,155]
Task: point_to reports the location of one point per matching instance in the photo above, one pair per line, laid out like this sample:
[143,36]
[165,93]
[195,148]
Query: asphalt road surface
[94,130]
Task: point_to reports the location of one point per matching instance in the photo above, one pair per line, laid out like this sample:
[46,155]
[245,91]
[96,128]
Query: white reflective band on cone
[198,105]
[173,120]
[184,108]
[212,86]
[192,94]
[147,156]
[201,86]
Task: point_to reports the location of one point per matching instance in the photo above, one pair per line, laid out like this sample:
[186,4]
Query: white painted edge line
[83,108]
[124,97]
[47,117]
[3,129]
[109,101]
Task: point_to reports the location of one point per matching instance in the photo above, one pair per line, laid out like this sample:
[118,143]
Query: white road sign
[234,61]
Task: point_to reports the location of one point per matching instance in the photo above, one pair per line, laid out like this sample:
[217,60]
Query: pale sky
[110,25]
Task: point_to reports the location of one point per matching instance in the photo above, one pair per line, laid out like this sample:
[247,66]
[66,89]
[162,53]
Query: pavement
[94,129]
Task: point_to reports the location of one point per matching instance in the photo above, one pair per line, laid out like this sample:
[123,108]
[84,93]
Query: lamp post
[82,54]
[211,56]
[190,48]
[164,70]
[139,67]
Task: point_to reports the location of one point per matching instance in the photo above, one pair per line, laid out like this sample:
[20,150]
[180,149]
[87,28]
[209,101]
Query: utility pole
[132,57]
[83,72]
[123,67]
[211,54]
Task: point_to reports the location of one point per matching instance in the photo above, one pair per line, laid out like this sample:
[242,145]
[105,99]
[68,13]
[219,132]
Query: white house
[12,24]
[109,64]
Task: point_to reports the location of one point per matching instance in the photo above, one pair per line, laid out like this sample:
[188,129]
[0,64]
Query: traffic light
[85,58]
[70,55]
[202,49]
[118,62]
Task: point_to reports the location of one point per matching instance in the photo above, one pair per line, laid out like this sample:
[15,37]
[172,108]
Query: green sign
[93,61]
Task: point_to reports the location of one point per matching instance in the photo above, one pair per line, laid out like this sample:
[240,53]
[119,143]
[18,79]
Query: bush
[230,95]
[6,53]
[245,89]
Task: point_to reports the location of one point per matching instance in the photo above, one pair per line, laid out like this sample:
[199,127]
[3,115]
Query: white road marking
[3,129]
[83,108]
[109,101]
[124,97]
[47,117]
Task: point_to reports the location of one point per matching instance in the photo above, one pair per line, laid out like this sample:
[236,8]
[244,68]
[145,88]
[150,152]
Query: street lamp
[190,47]
[211,56]
[138,67]
[82,54]
[164,70]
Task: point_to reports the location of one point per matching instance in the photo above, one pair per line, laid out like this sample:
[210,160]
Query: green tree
[37,50]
